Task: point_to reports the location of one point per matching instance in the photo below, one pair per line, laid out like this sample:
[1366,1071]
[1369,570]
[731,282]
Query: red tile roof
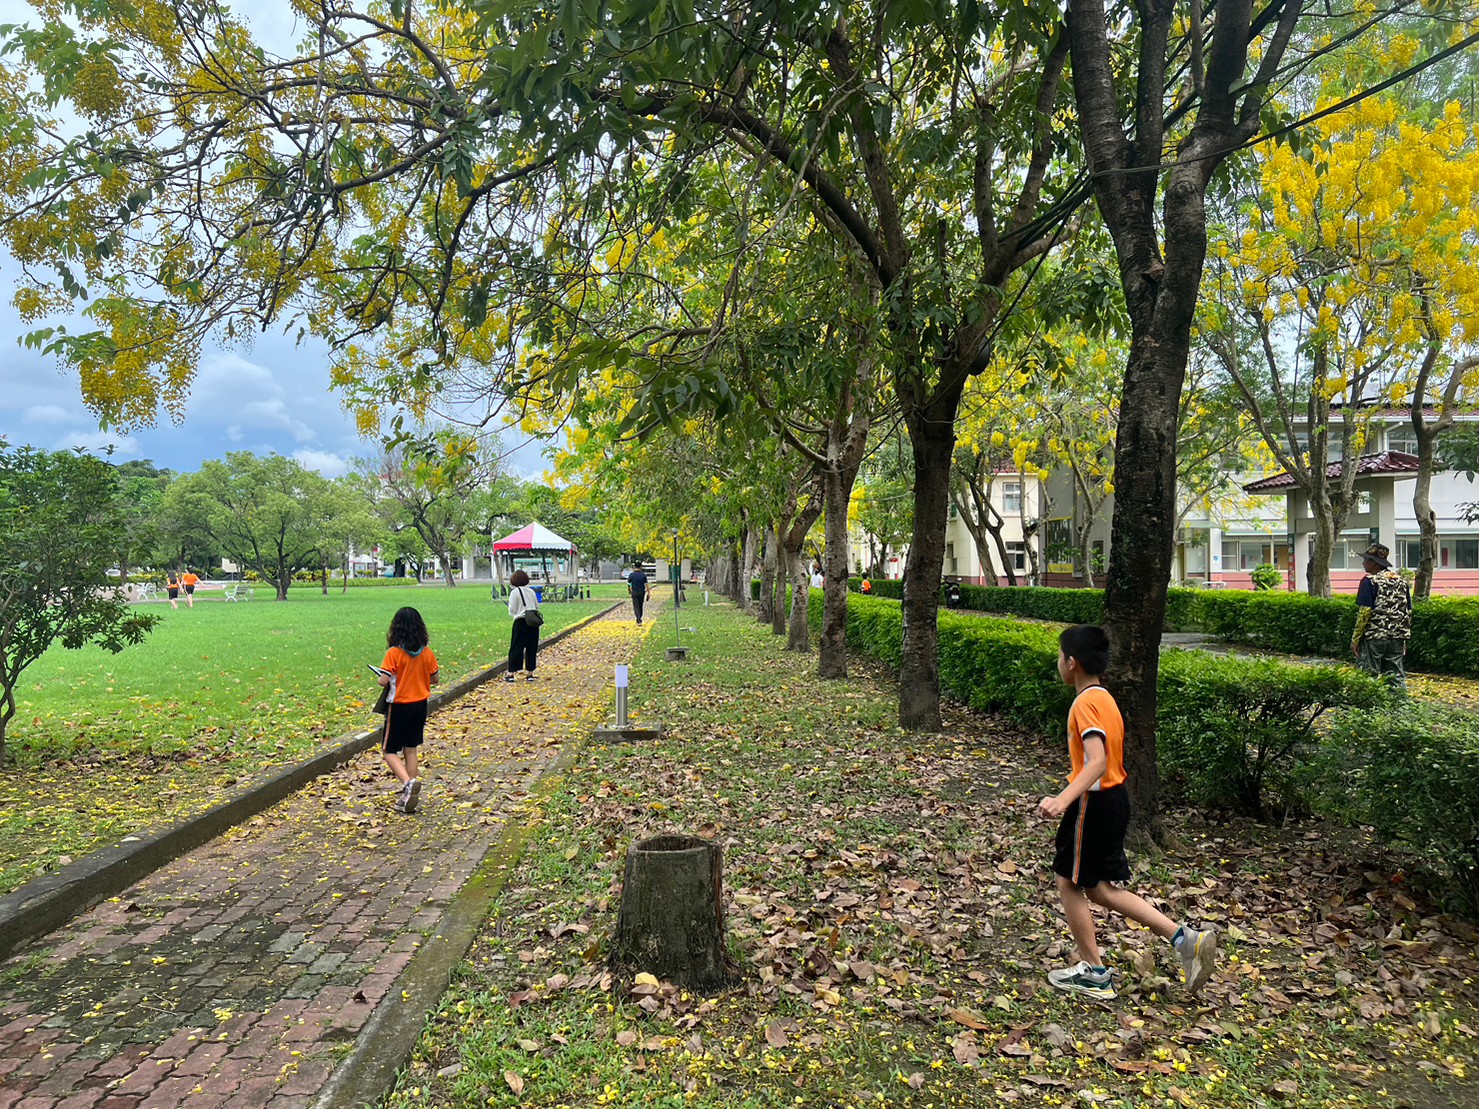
[1394,463]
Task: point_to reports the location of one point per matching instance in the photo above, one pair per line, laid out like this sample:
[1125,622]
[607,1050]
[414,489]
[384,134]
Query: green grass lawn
[104,744]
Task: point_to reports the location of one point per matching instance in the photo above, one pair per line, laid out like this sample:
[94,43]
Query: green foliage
[1066,606]
[1267,576]
[60,515]
[1294,623]
[1233,731]
[1409,770]
[1238,732]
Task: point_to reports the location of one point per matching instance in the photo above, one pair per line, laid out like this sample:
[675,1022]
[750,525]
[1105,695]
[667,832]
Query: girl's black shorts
[1091,839]
[405,725]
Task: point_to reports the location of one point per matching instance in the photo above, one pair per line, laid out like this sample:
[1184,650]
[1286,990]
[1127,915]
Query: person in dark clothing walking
[1383,619]
[640,589]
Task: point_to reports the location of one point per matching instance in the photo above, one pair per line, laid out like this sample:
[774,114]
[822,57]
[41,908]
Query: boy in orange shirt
[409,670]
[1095,814]
[189,581]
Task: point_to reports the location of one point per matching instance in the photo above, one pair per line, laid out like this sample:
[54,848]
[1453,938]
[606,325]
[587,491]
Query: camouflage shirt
[1391,606]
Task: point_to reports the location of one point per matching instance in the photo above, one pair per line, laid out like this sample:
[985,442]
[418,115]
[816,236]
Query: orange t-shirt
[410,674]
[1095,713]
[189,579]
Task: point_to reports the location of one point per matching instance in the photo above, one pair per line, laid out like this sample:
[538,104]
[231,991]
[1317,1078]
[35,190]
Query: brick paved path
[238,975]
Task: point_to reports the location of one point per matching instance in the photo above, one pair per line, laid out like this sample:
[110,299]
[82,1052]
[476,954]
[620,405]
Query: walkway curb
[45,904]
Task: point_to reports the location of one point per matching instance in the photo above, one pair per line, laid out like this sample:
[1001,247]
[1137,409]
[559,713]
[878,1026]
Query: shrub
[1231,730]
[1266,576]
[1294,623]
[1239,732]
[1409,771]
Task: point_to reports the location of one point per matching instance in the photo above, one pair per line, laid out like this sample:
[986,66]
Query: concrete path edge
[45,904]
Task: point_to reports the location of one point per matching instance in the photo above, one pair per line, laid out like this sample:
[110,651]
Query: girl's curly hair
[407,631]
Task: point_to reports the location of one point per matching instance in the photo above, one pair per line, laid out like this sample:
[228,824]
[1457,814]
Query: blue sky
[271,396]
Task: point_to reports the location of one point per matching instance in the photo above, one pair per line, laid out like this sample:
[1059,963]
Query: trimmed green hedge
[1445,630]
[1409,772]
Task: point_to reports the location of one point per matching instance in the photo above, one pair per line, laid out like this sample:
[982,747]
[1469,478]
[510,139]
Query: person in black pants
[640,589]
[523,641]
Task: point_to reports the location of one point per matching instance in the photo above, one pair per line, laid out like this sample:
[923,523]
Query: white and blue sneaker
[1197,952]
[1095,982]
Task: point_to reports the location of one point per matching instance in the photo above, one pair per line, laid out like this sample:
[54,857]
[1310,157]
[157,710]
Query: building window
[1017,556]
[1011,496]
[1255,555]
[1466,554]
[1196,558]
[1339,554]
[1412,553]
[1402,439]
[1363,502]
[949,559]
[1229,554]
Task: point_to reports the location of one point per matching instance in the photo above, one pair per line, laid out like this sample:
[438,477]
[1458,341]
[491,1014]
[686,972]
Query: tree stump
[671,922]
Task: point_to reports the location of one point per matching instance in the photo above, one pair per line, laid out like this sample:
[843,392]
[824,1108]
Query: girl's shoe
[529,677]
[510,677]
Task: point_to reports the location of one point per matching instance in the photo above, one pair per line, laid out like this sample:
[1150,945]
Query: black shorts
[173,593]
[1091,839]
[405,725]
[190,589]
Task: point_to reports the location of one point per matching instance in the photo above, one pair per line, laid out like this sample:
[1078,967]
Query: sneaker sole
[1203,962]
[1098,993]
[413,795]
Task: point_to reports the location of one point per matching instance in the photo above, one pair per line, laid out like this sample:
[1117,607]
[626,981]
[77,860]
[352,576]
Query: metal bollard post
[621,696]
[706,598]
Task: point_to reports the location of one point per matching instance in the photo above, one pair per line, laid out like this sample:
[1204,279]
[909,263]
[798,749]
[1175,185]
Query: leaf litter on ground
[889,899]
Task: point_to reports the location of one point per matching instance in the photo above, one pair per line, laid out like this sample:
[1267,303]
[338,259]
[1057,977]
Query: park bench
[145,590]
[238,591]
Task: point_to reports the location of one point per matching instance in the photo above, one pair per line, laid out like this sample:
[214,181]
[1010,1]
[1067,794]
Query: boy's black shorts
[405,725]
[1091,839]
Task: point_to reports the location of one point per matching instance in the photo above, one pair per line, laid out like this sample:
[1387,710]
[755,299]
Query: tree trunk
[798,631]
[832,654]
[765,603]
[1427,527]
[744,573]
[671,922]
[324,570]
[932,436]
[447,569]
[782,580]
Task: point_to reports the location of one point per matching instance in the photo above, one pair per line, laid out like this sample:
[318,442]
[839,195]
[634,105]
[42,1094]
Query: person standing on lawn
[189,580]
[1383,619]
[409,670]
[640,589]
[1094,814]
[172,588]
[523,641]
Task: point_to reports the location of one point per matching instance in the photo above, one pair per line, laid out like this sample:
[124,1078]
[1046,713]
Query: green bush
[1239,732]
[1294,623]
[1409,770]
[1266,576]
[1231,730]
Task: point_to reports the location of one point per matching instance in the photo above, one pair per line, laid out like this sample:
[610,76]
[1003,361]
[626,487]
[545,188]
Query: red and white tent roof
[534,539]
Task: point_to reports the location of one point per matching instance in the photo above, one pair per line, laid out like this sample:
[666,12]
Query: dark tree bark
[1161,298]
[671,922]
[798,633]
[832,644]
[932,435]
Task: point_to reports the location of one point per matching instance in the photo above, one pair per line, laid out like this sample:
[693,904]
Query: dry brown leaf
[967,1018]
[515,1081]
[776,1036]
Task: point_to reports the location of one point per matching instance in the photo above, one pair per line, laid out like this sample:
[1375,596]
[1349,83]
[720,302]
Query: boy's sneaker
[1084,979]
[400,799]
[529,677]
[1198,954]
[413,794]
[510,677]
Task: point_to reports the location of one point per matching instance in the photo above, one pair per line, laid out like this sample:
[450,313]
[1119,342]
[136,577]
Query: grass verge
[104,744]
[890,902]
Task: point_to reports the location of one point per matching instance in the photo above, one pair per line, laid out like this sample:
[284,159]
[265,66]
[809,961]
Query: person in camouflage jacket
[1383,619]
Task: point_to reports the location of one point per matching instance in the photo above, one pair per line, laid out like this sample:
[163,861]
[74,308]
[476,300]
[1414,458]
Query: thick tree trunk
[832,654]
[1317,573]
[932,435]
[765,604]
[798,631]
[778,611]
[744,573]
[671,922]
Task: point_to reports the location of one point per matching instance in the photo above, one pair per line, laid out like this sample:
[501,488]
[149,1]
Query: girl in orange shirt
[409,670]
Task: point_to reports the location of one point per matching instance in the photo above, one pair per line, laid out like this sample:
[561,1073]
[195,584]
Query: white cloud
[325,462]
[48,414]
[98,442]
[234,433]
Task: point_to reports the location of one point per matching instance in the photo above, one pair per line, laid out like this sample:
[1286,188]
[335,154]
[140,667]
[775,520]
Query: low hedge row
[1236,732]
[1445,630]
